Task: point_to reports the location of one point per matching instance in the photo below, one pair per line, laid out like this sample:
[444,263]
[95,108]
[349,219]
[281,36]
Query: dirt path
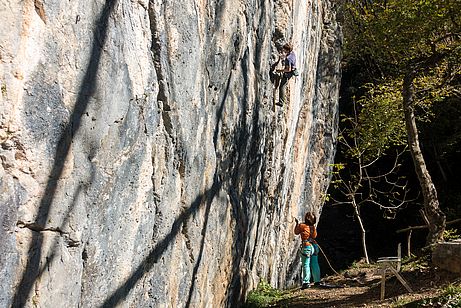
[361,288]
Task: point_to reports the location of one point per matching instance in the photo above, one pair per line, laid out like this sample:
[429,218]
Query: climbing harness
[300,251]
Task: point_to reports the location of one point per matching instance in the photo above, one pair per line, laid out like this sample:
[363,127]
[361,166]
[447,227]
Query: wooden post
[383,282]
[400,278]
[409,244]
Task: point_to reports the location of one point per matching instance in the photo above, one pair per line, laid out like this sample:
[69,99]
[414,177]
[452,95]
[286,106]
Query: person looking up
[309,249]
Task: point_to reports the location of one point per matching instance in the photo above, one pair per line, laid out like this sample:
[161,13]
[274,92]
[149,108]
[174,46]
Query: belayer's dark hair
[310,219]
[288,47]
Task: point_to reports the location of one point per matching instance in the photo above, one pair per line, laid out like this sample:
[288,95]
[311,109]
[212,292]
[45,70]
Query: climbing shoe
[305,286]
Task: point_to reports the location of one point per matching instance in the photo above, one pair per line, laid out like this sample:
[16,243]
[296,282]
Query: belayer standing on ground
[309,249]
[289,70]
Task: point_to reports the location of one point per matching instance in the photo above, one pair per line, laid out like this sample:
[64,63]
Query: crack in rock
[70,242]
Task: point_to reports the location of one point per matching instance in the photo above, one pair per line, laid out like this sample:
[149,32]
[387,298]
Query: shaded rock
[448,256]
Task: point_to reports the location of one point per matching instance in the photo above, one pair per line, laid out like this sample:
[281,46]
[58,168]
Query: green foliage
[452,289]
[264,295]
[380,123]
[451,234]
[385,41]
[364,143]
[392,37]
[388,38]
[398,33]
[417,263]
[450,297]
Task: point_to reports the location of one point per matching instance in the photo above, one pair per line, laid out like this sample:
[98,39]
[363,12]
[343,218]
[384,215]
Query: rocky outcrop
[143,162]
[447,255]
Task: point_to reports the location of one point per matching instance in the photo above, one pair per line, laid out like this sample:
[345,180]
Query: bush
[263,296]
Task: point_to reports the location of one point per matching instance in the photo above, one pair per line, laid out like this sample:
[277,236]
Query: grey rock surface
[143,162]
[447,256]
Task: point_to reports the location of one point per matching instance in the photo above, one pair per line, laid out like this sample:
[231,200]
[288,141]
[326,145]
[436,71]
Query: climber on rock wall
[288,58]
[309,249]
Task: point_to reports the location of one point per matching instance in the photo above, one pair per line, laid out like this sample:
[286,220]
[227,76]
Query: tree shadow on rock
[87,90]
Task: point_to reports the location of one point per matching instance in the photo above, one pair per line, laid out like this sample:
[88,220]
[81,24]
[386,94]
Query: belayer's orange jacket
[308,234]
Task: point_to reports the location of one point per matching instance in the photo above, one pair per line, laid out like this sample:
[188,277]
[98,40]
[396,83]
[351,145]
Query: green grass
[399,302]
[450,297]
[413,263]
[451,234]
[264,296]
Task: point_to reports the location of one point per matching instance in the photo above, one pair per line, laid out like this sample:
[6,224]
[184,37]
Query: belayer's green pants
[310,263]
[315,268]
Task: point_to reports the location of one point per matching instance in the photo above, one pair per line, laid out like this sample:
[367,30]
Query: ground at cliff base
[360,286]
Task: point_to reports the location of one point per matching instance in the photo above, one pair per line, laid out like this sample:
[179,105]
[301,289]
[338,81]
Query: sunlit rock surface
[143,162]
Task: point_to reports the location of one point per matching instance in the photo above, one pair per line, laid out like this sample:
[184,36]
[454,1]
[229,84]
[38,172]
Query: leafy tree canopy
[387,39]
[408,52]
[398,34]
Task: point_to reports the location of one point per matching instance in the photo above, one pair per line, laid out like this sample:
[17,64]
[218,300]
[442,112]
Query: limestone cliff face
[143,162]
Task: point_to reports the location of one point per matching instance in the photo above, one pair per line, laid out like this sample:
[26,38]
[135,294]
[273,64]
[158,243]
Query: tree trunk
[431,203]
[362,228]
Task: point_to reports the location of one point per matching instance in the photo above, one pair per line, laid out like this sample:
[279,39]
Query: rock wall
[447,255]
[143,162]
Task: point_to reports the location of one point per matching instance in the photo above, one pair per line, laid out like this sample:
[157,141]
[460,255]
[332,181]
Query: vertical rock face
[143,162]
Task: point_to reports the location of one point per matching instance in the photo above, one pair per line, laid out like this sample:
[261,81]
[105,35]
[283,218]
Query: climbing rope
[293,219]
[328,261]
